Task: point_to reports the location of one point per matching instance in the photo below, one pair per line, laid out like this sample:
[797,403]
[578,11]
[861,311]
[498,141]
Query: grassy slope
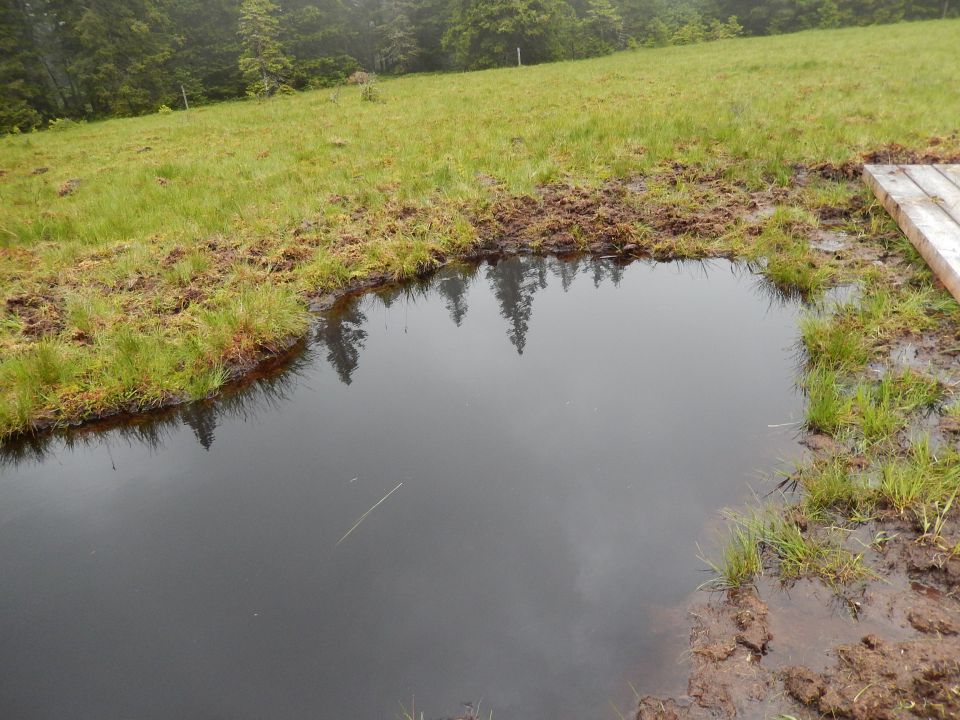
[166,267]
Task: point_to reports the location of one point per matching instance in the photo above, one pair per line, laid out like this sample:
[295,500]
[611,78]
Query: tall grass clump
[830,488]
[920,479]
[831,343]
[828,407]
[768,533]
[883,409]
[740,563]
[31,379]
[255,317]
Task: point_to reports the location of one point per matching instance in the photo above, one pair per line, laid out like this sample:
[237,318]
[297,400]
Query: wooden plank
[931,230]
[935,184]
[952,172]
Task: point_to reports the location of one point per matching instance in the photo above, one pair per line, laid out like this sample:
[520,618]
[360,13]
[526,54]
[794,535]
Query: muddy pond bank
[747,657]
[534,420]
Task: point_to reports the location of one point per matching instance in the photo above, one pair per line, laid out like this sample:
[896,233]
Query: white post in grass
[186,105]
[519,61]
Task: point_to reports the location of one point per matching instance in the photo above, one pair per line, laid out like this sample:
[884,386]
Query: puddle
[807,622]
[564,433]
[830,242]
[838,296]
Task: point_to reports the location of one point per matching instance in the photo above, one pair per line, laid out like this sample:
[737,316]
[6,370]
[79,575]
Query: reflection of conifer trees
[567,270]
[453,286]
[599,272]
[343,335]
[541,267]
[389,294]
[603,269]
[616,273]
[514,283]
[202,419]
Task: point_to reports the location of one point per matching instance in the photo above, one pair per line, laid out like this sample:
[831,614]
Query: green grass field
[187,243]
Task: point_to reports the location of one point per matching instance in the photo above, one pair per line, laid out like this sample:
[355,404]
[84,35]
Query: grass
[788,260]
[845,340]
[828,407]
[803,539]
[190,242]
[919,480]
[741,561]
[768,535]
[873,412]
[831,488]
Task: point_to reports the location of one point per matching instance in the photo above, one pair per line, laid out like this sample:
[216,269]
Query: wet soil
[39,315]
[886,649]
[892,154]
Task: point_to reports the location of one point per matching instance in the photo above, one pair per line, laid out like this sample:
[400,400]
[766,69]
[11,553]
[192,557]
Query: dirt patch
[625,217]
[562,220]
[68,187]
[877,680]
[891,154]
[190,295]
[173,257]
[39,315]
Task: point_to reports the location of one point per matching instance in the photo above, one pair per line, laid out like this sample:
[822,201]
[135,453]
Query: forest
[61,60]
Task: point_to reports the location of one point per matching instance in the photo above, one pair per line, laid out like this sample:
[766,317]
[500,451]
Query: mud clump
[803,684]
[726,643]
[890,154]
[621,216]
[39,316]
[875,680]
[68,187]
[562,220]
[173,257]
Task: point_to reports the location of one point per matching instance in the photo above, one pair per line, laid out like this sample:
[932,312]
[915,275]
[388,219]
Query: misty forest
[109,58]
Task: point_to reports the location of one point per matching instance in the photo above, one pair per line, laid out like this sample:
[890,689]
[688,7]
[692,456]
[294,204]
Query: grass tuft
[828,408]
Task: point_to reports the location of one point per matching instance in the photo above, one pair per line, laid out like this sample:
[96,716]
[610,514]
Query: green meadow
[144,261]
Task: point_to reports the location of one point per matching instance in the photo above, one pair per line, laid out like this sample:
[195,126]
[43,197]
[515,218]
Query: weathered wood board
[925,202]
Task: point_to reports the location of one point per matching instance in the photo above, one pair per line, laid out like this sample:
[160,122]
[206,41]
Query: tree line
[107,58]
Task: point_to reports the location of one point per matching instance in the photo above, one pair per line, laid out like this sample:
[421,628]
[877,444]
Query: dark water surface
[564,433]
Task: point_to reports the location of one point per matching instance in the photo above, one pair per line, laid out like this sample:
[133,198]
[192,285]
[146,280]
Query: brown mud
[39,315]
[889,648]
[892,154]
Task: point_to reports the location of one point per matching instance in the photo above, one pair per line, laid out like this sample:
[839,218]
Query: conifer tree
[262,62]
[398,46]
[21,83]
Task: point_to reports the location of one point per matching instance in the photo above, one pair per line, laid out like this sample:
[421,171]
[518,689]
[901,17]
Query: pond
[486,487]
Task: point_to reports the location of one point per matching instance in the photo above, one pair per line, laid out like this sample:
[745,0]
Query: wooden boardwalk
[925,201]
